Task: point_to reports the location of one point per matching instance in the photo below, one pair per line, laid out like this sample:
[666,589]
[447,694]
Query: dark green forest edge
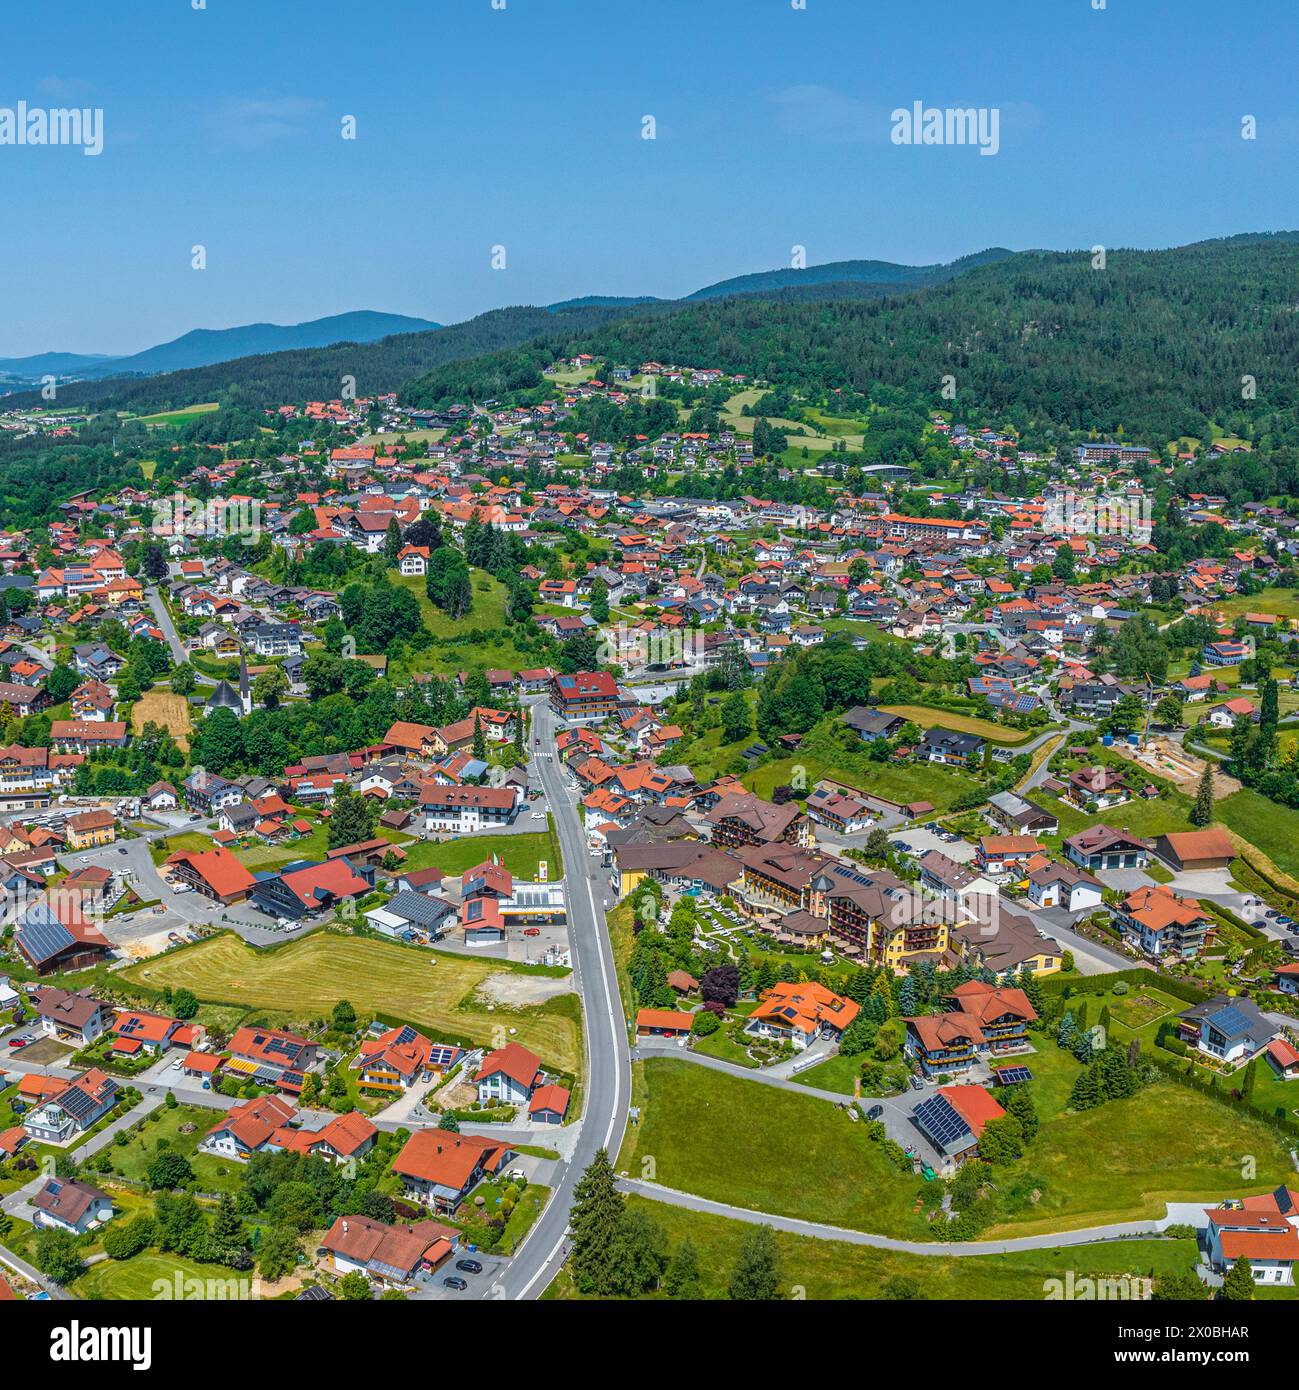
[1153,347]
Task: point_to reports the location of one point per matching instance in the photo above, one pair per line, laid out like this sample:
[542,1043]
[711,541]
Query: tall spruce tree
[594,1220]
[1202,811]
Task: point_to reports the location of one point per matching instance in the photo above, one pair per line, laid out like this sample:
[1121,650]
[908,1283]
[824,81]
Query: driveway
[922,840]
[183,910]
[1125,880]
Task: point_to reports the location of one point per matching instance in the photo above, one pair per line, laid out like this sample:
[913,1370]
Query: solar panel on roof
[940,1121]
[43,940]
[1229,1021]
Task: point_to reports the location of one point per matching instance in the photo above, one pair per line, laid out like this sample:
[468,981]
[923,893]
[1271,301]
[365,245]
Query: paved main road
[608,1088]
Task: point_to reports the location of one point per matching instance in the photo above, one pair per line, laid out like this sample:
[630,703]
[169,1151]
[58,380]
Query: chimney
[345,1225]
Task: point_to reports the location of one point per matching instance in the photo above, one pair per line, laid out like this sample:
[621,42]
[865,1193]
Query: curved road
[1091,1235]
[608,1082]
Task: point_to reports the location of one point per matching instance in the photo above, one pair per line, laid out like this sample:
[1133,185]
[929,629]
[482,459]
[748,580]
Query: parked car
[469,1266]
[917,1084]
[453,1281]
[532,931]
[874,1112]
[18,1042]
[1285,921]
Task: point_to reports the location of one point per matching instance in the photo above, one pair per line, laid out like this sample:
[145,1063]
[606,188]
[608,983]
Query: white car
[177,1064]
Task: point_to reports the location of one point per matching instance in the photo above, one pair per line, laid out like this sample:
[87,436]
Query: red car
[532,931]
[19,1042]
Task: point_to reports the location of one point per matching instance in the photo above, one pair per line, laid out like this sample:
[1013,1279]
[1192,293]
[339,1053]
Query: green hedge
[1102,984]
[1224,914]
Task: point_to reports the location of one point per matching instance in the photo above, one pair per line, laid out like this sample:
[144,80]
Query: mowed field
[831,1269]
[925,717]
[431,989]
[1280,603]
[162,707]
[180,417]
[751,1145]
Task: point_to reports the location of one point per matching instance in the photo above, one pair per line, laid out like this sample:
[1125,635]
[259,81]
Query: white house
[508,1076]
[64,1204]
[1062,885]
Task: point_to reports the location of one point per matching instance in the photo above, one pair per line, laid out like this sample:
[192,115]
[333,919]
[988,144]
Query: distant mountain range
[204,346]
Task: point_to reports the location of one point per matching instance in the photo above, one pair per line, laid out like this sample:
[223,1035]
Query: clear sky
[522,127]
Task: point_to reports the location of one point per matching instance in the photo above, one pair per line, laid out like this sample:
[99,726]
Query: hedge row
[1102,984]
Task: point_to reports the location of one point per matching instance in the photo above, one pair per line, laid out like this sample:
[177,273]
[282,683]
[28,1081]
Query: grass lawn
[834,1074]
[1127,1158]
[1281,603]
[487,614]
[927,717]
[754,1145]
[529,1206]
[828,1269]
[1266,824]
[434,990]
[721,1046]
[902,782]
[194,840]
[179,417]
[520,853]
[137,1277]
[131,1160]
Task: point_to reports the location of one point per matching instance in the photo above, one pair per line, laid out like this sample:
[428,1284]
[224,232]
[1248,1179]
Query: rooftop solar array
[1229,1021]
[942,1124]
[41,935]
[418,907]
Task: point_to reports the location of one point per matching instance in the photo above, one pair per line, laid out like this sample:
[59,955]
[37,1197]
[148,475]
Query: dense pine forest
[1154,345]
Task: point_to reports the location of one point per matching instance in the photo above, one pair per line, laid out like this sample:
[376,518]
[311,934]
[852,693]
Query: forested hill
[317,373]
[1153,344]
[845,279]
[273,378]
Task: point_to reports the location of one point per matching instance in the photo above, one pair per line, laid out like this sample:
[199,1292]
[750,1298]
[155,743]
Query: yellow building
[91,828]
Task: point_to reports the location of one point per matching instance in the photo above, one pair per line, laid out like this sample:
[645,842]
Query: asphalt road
[1123,1230]
[608,1088]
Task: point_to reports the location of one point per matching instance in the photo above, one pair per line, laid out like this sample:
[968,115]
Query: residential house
[440,1169]
[66,1204]
[508,1076]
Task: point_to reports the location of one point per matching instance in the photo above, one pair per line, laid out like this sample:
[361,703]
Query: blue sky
[522,127]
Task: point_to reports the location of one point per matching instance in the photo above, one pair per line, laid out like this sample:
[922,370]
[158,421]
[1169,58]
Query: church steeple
[245,691]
